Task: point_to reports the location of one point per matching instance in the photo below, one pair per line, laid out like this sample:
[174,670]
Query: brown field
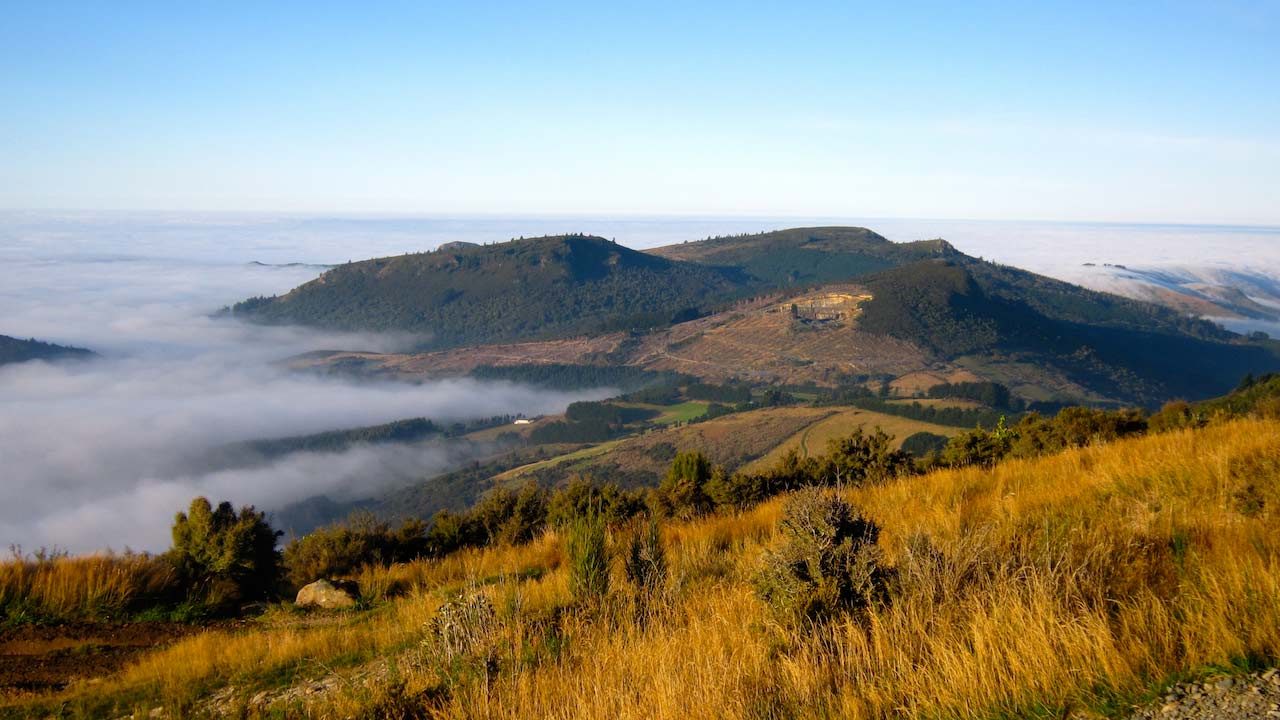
[1074,585]
[962,403]
[917,383]
[813,439]
[731,440]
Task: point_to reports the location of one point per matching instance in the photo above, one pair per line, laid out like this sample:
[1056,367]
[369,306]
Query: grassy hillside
[15,350]
[544,287]
[813,439]
[1076,583]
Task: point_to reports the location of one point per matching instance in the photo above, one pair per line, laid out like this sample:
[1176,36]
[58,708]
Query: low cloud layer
[102,453]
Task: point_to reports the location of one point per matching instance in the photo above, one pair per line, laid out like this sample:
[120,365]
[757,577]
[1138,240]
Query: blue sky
[1126,111]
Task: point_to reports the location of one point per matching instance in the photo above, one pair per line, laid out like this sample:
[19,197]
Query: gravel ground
[1234,698]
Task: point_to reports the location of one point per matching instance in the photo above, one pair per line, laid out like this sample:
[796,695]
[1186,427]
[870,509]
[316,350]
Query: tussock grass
[1078,580]
[59,588]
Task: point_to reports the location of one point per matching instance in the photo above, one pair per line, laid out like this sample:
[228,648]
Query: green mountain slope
[1123,349]
[805,256]
[15,350]
[546,287]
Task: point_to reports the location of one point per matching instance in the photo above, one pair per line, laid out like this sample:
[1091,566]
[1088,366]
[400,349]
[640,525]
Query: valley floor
[1083,584]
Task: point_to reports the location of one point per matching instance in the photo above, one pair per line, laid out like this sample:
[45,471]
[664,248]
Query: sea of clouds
[102,453]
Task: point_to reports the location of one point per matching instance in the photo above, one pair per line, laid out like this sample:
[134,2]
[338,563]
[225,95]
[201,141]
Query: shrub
[341,550]
[588,559]
[861,458]
[581,496]
[646,562]
[828,561]
[461,639]
[922,444]
[682,492]
[1176,415]
[223,557]
[738,491]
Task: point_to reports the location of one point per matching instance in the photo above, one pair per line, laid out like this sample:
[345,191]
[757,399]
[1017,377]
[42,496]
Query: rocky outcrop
[328,595]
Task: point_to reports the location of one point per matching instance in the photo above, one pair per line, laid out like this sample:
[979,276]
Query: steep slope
[15,350]
[555,286]
[1122,349]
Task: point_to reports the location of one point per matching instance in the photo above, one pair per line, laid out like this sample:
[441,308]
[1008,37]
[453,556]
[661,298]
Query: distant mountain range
[16,350]
[927,305]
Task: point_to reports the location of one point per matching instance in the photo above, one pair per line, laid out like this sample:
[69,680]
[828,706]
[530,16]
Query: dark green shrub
[828,561]
[922,444]
[737,491]
[682,492]
[581,496]
[225,557]
[861,458]
[528,515]
[339,550]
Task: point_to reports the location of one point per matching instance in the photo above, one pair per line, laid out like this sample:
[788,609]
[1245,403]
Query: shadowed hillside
[544,287]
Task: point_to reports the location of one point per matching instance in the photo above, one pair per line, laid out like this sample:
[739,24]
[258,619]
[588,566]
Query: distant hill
[15,350]
[806,256]
[553,286]
[753,307]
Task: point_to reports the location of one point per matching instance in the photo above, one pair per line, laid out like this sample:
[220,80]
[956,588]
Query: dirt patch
[37,659]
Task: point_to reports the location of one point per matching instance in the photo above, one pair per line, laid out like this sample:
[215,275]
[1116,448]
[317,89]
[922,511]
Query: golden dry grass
[68,588]
[1070,581]
[813,439]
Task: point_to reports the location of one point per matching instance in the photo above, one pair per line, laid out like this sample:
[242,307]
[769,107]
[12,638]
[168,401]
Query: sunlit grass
[1077,580]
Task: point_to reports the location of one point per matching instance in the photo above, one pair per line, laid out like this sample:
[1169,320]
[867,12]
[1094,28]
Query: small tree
[682,492]
[646,562]
[861,458]
[224,557]
[588,559]
[828,560]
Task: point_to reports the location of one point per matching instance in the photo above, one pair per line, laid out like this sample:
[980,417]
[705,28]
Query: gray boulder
[328,595]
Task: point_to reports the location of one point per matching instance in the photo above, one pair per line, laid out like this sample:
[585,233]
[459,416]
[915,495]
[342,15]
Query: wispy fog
[102,453]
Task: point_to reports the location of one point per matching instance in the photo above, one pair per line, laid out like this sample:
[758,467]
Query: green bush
[225,557]
[682,492]
[340,550]
[582,496]
[828,561]
[861,458]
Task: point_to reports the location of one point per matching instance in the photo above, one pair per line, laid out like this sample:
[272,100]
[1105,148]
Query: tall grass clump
[51,587]
[587,553]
